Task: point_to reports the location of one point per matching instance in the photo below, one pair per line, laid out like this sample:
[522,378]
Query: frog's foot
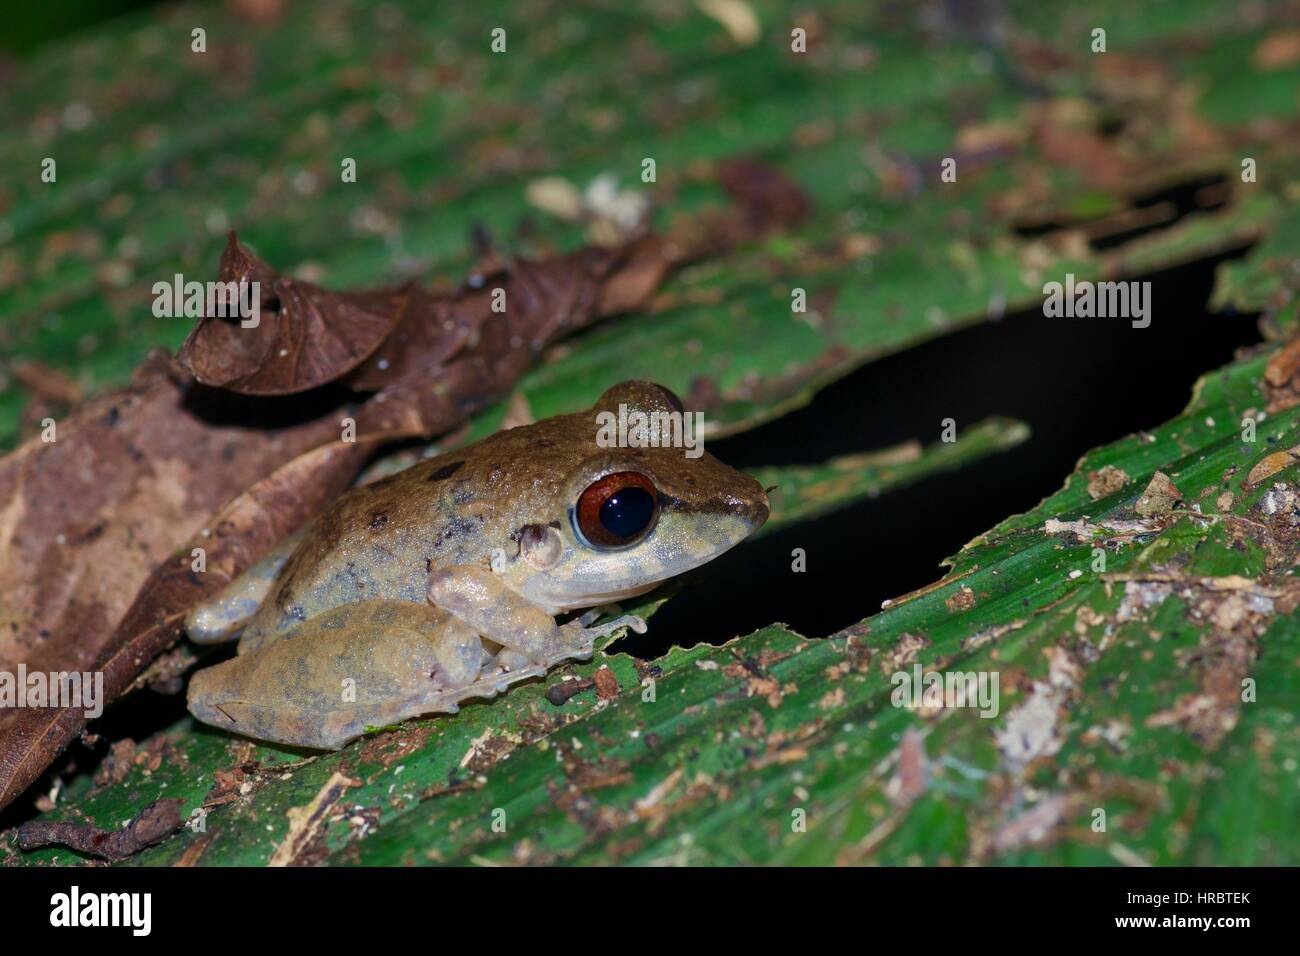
[594,614]
[589,634]
[578,643]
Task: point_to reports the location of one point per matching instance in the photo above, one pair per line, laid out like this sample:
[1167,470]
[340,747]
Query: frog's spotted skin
[441,583]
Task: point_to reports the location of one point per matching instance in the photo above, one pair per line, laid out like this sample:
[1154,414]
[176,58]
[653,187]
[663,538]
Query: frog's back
[377,542]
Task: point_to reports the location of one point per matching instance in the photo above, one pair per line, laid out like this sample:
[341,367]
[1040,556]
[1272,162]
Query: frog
[447,581]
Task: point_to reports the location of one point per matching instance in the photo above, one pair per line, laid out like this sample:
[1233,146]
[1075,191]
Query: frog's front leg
[479,598]
[222,616]
[359,666]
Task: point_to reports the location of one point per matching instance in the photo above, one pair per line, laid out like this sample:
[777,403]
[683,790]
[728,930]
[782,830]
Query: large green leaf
[161,150]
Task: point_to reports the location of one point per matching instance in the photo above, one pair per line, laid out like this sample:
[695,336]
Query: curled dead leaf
[304,337]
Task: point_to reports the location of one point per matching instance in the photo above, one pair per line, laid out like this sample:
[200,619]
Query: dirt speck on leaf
[1106,481]
[1159,498]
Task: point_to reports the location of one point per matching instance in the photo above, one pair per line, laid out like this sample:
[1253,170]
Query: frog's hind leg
[342,673]
[223,616]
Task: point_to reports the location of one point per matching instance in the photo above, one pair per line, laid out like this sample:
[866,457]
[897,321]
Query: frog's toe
[630,621]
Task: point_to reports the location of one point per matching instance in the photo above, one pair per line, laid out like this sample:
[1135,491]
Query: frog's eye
[617,510]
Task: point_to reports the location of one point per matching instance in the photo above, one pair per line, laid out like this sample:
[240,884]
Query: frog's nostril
[753,507]
[760,508]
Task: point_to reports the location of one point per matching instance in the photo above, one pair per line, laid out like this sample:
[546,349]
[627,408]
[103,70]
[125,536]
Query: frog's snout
[754,507]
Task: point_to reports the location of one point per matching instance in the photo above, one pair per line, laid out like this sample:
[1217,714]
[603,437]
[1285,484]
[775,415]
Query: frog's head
[628,518]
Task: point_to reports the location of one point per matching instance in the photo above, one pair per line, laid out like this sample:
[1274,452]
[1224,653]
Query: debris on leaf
[614,216]
[116,763]
[647,807]
[606,684]
[903,653]
[555,196]
[737,18]
[1282,377]
[154,823]
[1106,481]
[1030,730]
[1035,827]
[1160,497]
[617,215]
[558,694]
[1033,729]
[306,823]
[1113,529]
[1270,465]
[912,771]
[1281,499]
[1278,51]
[1141,596]
[962,600]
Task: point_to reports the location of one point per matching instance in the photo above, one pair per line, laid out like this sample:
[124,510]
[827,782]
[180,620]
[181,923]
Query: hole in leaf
[1079,384]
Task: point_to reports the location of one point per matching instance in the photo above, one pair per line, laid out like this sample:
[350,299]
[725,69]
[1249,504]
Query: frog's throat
[606,597]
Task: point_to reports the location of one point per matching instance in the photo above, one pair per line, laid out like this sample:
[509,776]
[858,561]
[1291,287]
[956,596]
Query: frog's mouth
[607,597]
[608,578]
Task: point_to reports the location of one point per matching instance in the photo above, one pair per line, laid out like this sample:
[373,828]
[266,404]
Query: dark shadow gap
[138,717]
[1146,213]
[1079,383]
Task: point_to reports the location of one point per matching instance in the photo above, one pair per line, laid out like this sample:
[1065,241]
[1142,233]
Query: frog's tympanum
[442,583]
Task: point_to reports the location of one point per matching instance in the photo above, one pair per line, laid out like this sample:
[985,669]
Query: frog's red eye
[617,510]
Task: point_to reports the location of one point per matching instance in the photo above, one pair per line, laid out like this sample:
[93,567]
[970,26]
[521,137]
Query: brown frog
[442,582]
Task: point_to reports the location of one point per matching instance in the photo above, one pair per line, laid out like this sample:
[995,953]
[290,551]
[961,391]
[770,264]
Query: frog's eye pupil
[627,512]
[617,510]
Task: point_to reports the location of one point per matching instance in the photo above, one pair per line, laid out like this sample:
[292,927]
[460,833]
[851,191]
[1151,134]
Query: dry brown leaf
[305,336]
